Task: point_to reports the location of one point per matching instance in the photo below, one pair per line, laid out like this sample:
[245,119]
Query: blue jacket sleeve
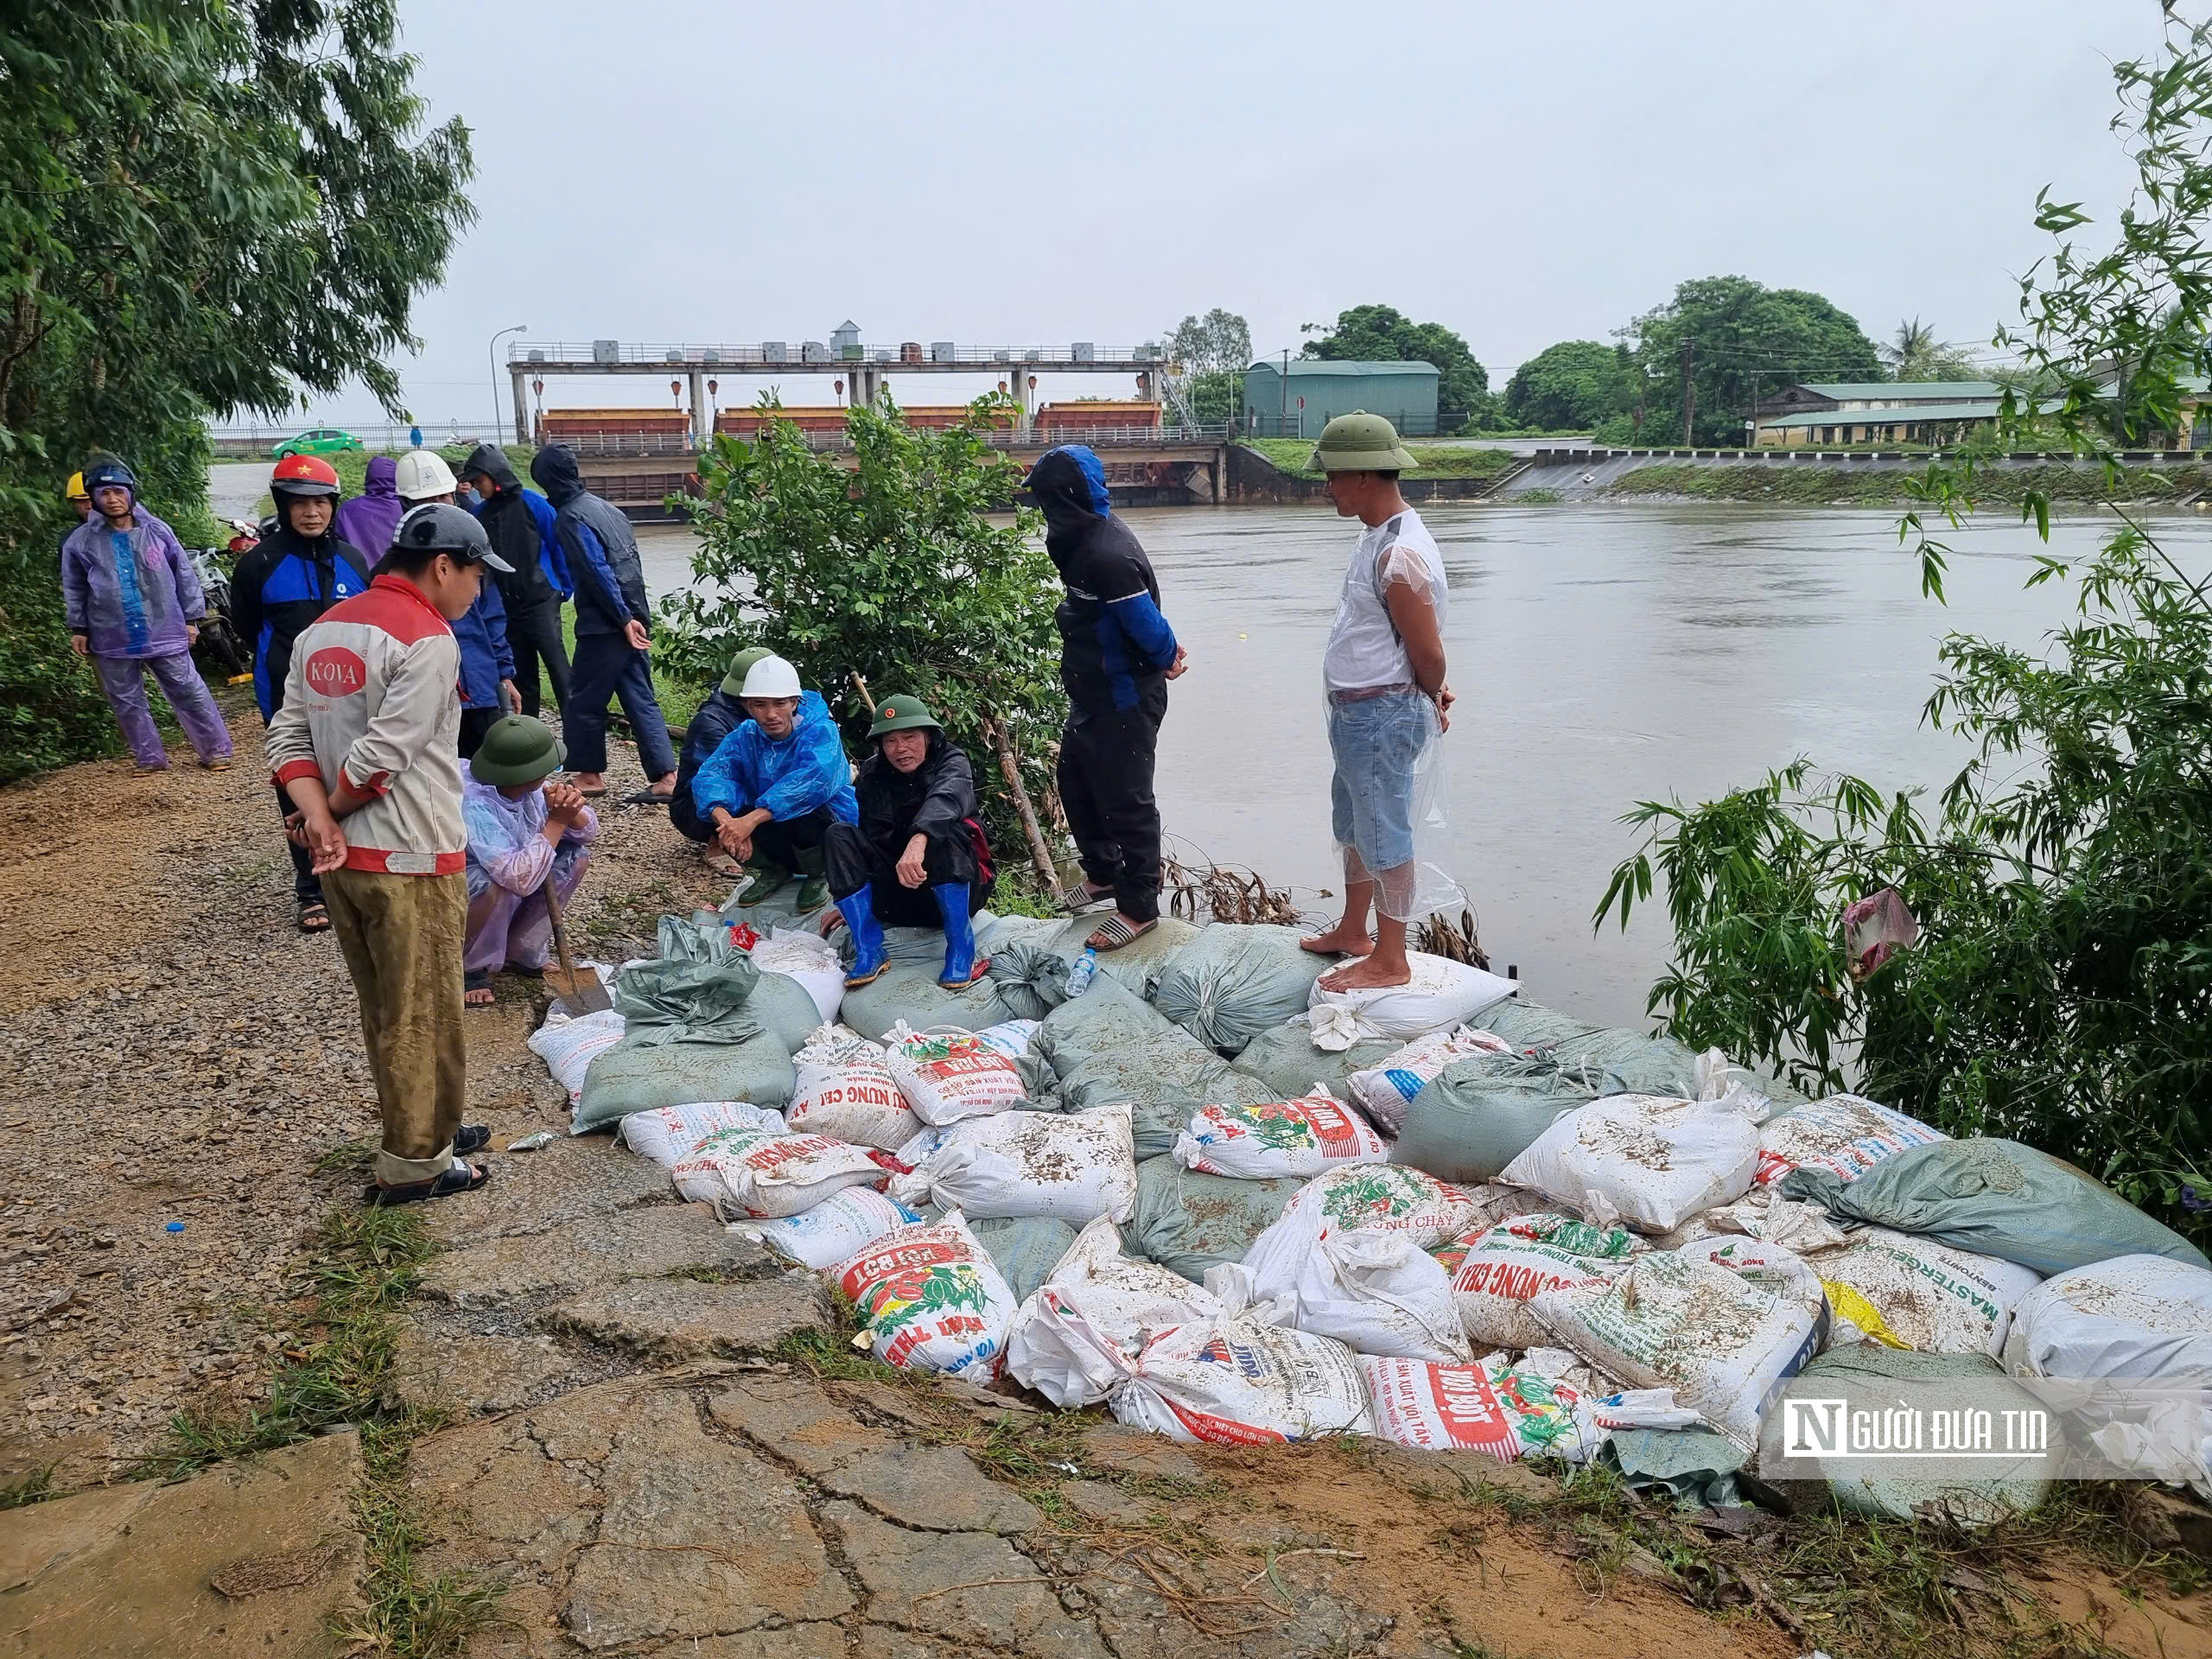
[818,773]
[495,626]
[719,781]
[1143,626]
[551,554]
[595,570]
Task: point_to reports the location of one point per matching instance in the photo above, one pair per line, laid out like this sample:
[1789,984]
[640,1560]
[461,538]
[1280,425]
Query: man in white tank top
[1383,674]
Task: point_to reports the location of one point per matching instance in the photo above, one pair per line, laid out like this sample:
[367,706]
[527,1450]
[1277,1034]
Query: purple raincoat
[137,610]
[369,518]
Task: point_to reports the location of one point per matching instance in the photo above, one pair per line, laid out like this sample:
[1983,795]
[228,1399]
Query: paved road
[235,487]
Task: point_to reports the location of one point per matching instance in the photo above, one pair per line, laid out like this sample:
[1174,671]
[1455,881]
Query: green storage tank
[1317,391]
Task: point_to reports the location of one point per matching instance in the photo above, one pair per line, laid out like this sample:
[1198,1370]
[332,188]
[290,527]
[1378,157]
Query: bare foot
[664,787]
[1338,943]
[477,997]
[1367,975]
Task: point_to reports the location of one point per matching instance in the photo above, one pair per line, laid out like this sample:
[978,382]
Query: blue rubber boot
[859,912]
[961,968]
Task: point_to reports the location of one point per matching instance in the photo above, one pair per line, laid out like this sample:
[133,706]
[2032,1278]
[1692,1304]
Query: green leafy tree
[1577,383]
[1381,334]
[890,570]
[208,207]
[2060,992]
[1746,340]
[1219,342]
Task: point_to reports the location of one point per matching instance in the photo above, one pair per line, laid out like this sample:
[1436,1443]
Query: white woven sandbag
[1073,1167]
[569,1047]
[1377,1293]
[1386,1089]
[930,1298]
[845,1091]
[1844,1134]
[668,1134]
[2144,1317]
[1096,1298]
[1235,1381]
[1492,1407]
[841,1224]
[1723,1345]
[762,1174]
[1907,1292]
[1012,1038]
[1301,1137]
[1497,1272]
[1441,992]
[1649,1160]
[950,1074]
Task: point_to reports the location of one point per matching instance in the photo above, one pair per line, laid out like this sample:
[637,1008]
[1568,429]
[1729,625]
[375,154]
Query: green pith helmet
[1360,442]
[518,749]
[741,665]
[901,713]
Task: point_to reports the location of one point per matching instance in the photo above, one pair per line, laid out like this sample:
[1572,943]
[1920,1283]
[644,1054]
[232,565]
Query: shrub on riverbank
[1784,483]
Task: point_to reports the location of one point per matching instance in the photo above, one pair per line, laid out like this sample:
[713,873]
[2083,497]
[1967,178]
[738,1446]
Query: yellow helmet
[75,490]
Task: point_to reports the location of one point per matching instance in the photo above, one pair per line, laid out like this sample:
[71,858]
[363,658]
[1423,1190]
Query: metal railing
[817,354]
[1307,423]
[257,441]
[609,445]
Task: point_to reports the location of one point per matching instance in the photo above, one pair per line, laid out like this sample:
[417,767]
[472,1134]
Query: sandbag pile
[1227,1205]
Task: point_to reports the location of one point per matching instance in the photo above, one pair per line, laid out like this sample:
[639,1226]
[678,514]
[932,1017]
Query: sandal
[1085,898]
[470,1137]
[646,798]
[456,1179]
[314,916]
[218,763]
[1113,933]
[475,980]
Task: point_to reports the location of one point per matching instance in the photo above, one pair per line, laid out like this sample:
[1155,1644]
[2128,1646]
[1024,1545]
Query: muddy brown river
[1602,655]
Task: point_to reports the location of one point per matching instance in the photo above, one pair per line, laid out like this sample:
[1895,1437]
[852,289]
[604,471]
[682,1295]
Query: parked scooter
[218,649]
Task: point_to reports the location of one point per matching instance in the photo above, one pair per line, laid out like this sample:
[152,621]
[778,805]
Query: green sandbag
[1530,1025]
[1892,1497]
[1134,964]
[1478,1115]
[1285,1059]
[1233,982]
[1021,987]
[1999,1199]
[638,1076]
[1187,1222]
[787,1008]
[1110,1045]
[1025,1248]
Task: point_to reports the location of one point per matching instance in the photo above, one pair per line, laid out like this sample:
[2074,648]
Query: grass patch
[366,1263]
[1437,461]
[1538,498]
[679,698]
[33,1487]
[1792,483]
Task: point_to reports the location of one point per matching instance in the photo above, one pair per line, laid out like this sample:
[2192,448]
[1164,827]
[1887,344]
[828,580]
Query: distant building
[1811,414]
[1317,391]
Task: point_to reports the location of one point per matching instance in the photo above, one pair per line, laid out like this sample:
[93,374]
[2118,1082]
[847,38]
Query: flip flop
[1113,933]
[470,1137]
[314,916]
[593,794]
[1084,900]
[456,1179]
[645,797]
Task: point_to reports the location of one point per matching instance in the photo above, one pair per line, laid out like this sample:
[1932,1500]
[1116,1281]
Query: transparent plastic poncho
[1364,643]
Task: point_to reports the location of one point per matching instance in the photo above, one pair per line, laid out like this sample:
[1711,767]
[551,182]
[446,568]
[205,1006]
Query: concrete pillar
[703,421]
[520,379]
[1018,383]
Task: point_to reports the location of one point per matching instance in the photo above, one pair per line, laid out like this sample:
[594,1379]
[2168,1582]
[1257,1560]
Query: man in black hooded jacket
[611,644]
[520,525]
[1117,654]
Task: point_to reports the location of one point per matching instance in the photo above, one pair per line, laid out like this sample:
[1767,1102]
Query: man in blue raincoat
[773,787]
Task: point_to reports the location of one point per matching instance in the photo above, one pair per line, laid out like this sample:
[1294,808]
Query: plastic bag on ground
[1073,1167]
[1110,1045]
[951,1075]
[844,1090]
[1496,1272]
[930,1298]
[1645,1160]
[1118,1302]
[1188,1222]
[569,1046]
[1441,992]
[1304,1136]
[2134,1316]
[833,1229]
[762,1175]
[1284,1059]
[1234,1380]
[1477,1115]
[1501,1410]
[1723,1345]
[1845,1135]
[668,1134]
[1996,1198]
[1907,1292]
[804,955]
[1234,981]
[1386,1089]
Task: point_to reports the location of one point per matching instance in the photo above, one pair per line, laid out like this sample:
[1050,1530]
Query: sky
[1019,174]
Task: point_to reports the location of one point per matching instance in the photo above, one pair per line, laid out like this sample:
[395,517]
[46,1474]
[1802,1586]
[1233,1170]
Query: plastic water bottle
[1085,970]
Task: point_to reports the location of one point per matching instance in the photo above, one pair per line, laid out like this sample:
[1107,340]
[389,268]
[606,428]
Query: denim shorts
[1378,743]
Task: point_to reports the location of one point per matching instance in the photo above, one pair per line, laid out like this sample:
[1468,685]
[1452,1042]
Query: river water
[1602,655]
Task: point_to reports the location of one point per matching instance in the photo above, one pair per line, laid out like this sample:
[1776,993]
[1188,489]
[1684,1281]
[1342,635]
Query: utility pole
[1690,391]
[1283,416]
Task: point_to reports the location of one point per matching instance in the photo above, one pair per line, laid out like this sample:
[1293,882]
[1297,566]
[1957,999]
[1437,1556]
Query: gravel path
[177,1052]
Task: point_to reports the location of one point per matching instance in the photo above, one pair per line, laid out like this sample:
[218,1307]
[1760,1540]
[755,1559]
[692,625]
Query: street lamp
[492,358]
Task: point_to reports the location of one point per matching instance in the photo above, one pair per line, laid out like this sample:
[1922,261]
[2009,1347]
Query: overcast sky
[690,170]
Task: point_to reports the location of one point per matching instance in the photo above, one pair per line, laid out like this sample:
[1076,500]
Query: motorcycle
[218,649]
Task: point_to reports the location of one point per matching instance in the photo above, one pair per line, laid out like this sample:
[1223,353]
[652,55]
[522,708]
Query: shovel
[583,995]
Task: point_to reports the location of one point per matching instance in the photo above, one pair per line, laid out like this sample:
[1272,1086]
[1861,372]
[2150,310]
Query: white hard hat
[771,676]
[423,473]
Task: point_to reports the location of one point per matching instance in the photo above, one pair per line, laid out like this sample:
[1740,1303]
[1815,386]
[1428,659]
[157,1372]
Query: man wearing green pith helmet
[1388,706]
